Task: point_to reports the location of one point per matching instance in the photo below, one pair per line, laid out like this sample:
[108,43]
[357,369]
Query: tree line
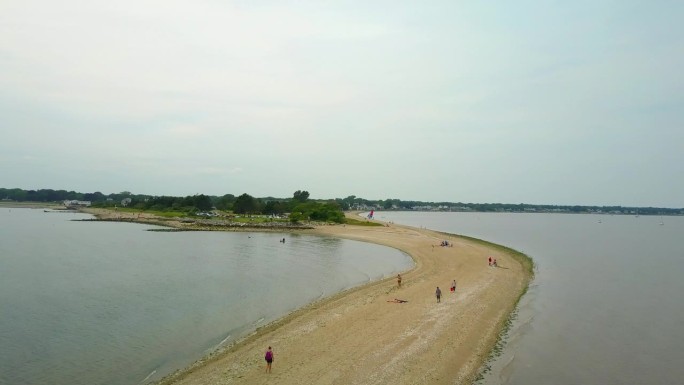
[299,207]
[247,204]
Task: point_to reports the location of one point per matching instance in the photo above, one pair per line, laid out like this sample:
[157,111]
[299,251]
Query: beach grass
[256,219]
[356,222]
[159,213]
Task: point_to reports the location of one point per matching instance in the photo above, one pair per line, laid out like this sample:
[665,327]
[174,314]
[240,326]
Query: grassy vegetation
[223,215]
[159,213]
[356,222]
[232,217]
[169,214]
[254,219]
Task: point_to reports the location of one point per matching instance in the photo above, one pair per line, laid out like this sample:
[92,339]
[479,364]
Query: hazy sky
[552,102]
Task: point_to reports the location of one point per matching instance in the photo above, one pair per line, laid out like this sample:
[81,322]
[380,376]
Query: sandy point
[365,336]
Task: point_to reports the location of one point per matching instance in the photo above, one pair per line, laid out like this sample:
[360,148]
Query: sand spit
[362,336]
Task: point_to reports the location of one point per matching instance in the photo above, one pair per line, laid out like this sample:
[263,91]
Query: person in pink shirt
[269,359]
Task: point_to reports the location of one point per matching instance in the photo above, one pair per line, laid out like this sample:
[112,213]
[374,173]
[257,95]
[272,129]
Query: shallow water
[605,306]
[110,303]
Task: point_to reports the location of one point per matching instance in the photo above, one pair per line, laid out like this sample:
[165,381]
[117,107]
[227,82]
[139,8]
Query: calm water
[606,306]
[109,303]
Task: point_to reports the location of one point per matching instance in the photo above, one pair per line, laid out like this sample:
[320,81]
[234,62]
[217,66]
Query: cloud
[187,131]
[458,99]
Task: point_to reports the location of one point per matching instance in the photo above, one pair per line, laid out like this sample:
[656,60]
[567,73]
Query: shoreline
[30,205]
[360,336]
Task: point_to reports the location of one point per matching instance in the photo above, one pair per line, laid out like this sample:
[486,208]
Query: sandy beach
[362,336]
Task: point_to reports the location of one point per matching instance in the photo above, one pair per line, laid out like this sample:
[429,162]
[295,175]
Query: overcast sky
[548,102]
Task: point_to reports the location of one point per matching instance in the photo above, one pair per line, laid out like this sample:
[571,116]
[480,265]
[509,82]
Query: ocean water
[606,305]
[110,303]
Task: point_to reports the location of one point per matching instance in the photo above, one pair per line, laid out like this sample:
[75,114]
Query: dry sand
[358,337]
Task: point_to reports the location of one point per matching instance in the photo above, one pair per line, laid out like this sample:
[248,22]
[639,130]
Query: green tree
[274,207]
[296,216]
[225,202]
[245,204]
[94,197]
[326,212]
[300,196]
[202,202]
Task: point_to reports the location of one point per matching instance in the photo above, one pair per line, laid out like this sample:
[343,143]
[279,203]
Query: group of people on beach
[492,262]
[438,292]
[444,243]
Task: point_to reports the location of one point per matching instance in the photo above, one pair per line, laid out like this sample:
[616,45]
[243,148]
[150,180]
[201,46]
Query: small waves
[507,370]
[148,377]
[224,340]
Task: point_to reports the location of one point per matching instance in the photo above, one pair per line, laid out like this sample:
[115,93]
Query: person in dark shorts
[438,293]
[269,359]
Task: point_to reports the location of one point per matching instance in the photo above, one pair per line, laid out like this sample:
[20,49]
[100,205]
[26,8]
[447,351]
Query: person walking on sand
[399,280]
[438,293]
[453,286]
[269,359]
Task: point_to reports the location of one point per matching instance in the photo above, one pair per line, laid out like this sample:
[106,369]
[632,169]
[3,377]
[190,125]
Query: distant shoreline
[631,211]
[31,205]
